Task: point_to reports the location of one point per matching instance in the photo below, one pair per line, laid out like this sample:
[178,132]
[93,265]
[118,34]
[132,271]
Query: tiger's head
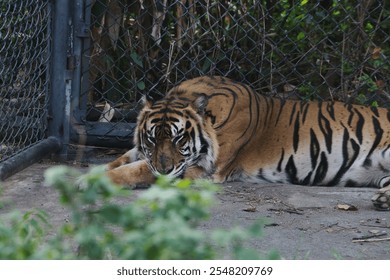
[173,134]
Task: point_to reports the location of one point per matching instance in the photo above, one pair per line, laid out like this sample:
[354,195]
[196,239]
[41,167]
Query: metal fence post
[60,95]
[32,104]
[78,61]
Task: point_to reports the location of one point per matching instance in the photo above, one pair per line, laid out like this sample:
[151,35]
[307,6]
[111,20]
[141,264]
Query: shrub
[160,223]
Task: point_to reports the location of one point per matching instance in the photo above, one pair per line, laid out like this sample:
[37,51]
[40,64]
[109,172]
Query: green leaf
[141,85]
[369,26]
[301,35]
[137,59]
[206,65]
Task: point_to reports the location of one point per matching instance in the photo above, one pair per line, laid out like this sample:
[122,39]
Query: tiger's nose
[166,166]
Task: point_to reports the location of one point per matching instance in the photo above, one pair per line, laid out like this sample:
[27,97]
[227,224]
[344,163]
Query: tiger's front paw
[381,199]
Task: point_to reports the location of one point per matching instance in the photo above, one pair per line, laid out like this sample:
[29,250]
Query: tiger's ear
[200,104]
[147,100]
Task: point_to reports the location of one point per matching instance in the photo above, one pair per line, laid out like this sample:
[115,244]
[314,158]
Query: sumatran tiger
[213,127]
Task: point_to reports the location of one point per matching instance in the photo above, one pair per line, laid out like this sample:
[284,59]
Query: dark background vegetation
[328,50]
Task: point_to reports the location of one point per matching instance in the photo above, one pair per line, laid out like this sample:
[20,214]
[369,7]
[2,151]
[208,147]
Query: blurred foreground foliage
[161,223]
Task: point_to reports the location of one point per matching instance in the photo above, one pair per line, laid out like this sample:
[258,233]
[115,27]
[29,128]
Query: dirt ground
[302,222]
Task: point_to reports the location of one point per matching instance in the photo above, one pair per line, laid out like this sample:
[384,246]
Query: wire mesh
[24,54]
[327,50]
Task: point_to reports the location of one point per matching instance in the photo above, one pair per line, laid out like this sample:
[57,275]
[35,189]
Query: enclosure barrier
[327,50]
[26,37]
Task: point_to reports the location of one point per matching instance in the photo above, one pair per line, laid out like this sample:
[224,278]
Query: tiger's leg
[128,157]
[381,199]
[195,172]
[132,174]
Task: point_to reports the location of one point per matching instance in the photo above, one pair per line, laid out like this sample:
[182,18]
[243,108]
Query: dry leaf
[346,207]
[250,209]
[289,87]
[376,53]
[107,114]
[380,84]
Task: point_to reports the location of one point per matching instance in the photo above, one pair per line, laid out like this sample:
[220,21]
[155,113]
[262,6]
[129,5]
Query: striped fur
[216,128]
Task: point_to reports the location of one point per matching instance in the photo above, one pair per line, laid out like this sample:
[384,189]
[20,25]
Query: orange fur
[216,128]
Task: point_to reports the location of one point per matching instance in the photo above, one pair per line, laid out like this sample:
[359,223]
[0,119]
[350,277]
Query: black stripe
[232,107]
[385,150]
[306,181]
[314,148]
[350,118]
[291,170]
[355,149]
[249,122]
[330,109]
[375,111]
[271,111]
[348,159]
[279,168]
[204,148]
[166,111]
[326,130]
[257,98]
[192,134]
[351,184]
[367,163]
[296,134]
[172,119]
[378,135]
[359,126]
[351,113]
[322,169]
[175,126]
[293,113]
[304,112]
[282,102]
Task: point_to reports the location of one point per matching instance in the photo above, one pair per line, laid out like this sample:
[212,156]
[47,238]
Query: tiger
[213,127]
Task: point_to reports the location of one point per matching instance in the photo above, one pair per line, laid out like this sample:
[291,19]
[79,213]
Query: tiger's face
[171,137]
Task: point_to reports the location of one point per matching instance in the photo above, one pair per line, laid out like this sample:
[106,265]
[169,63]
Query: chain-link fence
[336,50]
[24,57]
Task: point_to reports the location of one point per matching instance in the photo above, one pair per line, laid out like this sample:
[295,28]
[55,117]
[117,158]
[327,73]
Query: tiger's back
[256,138]
[289,141]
